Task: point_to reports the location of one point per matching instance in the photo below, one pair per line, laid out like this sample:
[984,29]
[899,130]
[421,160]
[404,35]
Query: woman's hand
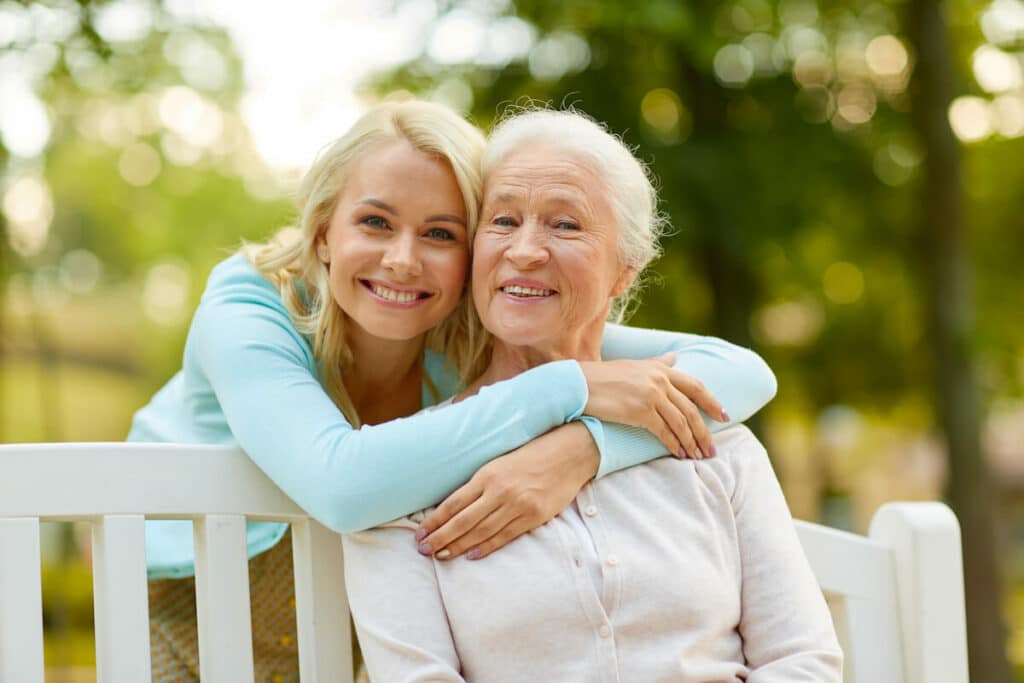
[652,394]
[511,495]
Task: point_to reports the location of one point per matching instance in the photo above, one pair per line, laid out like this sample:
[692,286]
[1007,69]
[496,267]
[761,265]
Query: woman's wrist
[582,444]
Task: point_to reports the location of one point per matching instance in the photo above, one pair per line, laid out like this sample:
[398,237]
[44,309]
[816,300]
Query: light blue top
[249,379]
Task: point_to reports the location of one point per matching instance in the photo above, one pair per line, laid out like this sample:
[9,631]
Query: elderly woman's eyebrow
[504,196]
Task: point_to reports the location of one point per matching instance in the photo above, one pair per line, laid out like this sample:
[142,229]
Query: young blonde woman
[312,351]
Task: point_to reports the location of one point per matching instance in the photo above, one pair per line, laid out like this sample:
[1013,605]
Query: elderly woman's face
[546,261]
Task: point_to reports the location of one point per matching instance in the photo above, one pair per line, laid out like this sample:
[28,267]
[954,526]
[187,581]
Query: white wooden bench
[896,595]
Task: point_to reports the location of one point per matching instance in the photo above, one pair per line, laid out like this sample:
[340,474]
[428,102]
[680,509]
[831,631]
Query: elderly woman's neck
[508,360]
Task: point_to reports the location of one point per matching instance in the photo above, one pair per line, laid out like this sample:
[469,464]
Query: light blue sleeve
[740,380]
[262,372]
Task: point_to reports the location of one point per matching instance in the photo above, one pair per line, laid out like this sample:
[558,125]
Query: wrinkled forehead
[546,171]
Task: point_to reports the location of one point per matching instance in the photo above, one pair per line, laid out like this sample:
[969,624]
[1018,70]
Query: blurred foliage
[779,131]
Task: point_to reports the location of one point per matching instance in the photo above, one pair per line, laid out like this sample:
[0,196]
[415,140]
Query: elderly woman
[678,571]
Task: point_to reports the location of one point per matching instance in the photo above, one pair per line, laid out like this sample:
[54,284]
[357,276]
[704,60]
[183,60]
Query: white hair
[627,180]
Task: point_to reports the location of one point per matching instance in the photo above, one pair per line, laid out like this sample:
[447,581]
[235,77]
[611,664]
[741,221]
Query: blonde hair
[628,182]
[289,258]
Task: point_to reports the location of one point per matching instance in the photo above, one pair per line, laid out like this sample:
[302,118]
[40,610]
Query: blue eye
[374,222]
[567,225]
[441,234]
[505,221]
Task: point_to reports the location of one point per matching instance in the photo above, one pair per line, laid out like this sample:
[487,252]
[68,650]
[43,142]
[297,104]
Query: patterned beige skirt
[172,622]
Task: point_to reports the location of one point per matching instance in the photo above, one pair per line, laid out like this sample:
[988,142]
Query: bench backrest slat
[321,605]
[21,612]
[222,600]
[120,599]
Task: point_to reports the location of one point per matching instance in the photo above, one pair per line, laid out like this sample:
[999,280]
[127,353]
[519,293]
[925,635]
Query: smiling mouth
[520,292]
[397,296]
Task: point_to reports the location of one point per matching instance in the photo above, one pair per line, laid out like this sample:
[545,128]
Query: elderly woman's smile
[546,260]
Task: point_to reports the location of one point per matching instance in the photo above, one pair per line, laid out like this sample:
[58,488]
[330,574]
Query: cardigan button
[604,631]
[590,511]
[613,560]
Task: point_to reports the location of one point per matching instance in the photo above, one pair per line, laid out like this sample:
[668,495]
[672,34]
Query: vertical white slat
[925,543]
[875,654]
[21,602]
[321,606]
[120,599]
[222,600]
[841,621]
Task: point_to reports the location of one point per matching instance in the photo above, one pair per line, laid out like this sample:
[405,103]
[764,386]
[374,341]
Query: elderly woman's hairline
[626,179]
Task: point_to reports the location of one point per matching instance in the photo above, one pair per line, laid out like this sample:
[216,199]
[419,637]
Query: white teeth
[393,295]
[526,291]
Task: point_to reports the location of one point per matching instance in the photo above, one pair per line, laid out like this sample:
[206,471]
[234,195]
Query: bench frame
[896,595]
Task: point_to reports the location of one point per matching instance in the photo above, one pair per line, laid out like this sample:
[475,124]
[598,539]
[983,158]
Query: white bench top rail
[115,487]
[896,595]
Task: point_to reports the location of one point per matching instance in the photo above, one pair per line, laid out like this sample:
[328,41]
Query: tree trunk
[946,283]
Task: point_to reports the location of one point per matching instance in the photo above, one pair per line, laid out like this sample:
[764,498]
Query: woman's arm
[262,371]
[738,377]
[396,604]
[740,380]
[788,636]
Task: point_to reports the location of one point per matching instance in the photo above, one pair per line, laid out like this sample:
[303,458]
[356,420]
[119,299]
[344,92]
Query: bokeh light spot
[843,282]
[558,54]
[886,56]
[970,118]
[1008,115]
[733,65]
[789,323]
[28,207]
[663,111]
[165,293]
[856,104]
[139,164]
[812,68]
[458,38]
[995,70]
[80,271]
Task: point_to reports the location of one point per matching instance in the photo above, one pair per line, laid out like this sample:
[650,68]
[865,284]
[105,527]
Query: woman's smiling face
[546,259]
[397,246]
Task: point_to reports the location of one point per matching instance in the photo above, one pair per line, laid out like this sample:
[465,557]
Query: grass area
[65,402]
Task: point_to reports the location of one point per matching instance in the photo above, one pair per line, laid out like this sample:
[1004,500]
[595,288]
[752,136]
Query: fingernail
[421,533]
[681,453]
[725,417]
[443,554]
[473,554]
[698,454]
[425,549]
[713,450]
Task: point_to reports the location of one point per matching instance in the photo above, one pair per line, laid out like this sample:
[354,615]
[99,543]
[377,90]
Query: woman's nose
[528,248]
[402,256]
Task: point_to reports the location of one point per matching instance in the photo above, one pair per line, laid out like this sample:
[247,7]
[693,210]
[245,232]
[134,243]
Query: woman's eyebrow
[383,206]
[505,196]
[445,218]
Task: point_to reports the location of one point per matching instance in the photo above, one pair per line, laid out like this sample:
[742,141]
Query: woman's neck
[509,360]
[385,378]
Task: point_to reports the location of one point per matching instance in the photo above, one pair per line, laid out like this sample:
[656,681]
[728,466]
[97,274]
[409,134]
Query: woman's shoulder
[740,458]
[237,276]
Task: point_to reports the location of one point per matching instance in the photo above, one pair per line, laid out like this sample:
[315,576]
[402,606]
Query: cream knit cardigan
[702,580]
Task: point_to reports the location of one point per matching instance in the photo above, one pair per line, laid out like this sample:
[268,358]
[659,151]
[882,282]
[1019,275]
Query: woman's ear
[323,253]
[624,281]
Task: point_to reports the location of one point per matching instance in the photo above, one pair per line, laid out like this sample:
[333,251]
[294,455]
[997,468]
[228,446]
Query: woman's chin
[519,333]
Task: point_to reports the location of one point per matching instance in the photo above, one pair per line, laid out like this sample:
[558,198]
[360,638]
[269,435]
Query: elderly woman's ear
[624,281]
